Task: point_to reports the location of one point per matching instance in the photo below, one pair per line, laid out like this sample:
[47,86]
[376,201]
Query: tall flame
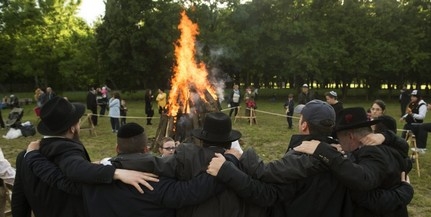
[190,77]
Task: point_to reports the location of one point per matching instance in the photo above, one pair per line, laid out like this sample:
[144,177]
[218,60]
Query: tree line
[268,43]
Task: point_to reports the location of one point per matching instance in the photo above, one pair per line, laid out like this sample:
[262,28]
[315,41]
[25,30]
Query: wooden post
[415,153]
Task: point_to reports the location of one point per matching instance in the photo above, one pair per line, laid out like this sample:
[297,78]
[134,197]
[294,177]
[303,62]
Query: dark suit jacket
[119,199]
[91,101]
[30,193]
[39,179]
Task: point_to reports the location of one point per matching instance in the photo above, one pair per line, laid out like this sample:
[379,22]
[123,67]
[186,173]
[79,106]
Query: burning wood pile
[191,95]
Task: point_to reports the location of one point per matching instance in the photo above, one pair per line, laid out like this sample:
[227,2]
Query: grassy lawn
[269,137]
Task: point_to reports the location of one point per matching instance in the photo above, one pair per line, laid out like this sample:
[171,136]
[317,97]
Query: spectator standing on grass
[250,103]
[404,99]
[123,112]
[114,111]
[103,101]
[289,105]
[235,99]
[92,104]
[161,101]
[47,95]
[38,94]
[332,99]
[305,95]
[50,94]
[149,111]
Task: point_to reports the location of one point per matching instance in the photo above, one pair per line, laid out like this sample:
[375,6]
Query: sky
[91,9]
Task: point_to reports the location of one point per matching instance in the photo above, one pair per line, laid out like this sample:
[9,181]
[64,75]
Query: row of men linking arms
[358,177]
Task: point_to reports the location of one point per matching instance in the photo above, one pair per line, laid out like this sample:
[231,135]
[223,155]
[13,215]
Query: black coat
[40,180]
[91,101]
[290,104]
[149,105]
[119,199]
[189,161]
[296,185]
[304,98]
[376,168]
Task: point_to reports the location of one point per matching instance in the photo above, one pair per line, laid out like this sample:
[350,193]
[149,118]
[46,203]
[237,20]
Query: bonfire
[191,95]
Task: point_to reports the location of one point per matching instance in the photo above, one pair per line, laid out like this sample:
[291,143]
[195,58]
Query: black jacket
[121,200]
[295,166]
[91,101]
[189,161]
[303,188]
[304,98]
[37,187]
[376,168]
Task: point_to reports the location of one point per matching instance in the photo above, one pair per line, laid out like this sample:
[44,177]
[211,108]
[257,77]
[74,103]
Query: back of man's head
[216,130]
[320,117]
[131,138]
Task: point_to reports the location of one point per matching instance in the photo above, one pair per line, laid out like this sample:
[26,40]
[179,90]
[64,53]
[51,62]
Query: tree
[43,35]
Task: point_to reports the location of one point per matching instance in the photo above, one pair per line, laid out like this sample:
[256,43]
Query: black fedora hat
[352,118]
[57,115]
[217,128]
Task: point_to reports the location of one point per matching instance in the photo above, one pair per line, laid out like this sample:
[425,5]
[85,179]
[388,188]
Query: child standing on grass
[289,106]
[123,112]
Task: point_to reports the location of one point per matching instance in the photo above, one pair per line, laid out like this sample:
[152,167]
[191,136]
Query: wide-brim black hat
[217,128]
[353,118]
[57,115]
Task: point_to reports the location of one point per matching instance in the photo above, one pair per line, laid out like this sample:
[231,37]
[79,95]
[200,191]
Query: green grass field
[269,137]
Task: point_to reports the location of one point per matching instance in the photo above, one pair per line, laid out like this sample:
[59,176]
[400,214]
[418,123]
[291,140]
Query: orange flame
[190,77]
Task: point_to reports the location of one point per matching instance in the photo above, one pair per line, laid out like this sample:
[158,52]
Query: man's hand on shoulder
[215,164]
[307,147]
[373,139]
[135,178]
[234,152]
[34,145]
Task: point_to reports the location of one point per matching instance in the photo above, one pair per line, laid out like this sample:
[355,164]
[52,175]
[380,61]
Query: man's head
[305,88]
[317,117]
[352,125]
[331,97]
[131,138]
[386,123]
[59,117]
[415,96]
[217,130]
[290,96]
